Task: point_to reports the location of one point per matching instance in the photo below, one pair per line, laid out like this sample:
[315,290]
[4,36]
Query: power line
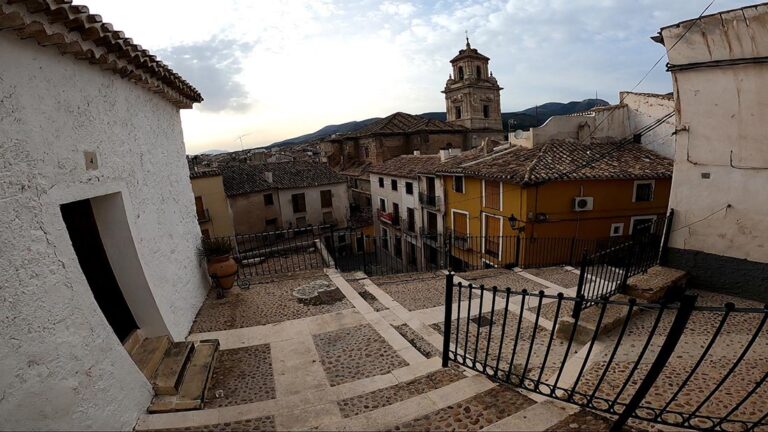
[725,207]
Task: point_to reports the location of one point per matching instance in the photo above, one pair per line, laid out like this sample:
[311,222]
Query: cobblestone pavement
[387,396]
[414,338]
[472,414]
[355,353]
[549,311]
[264,303]
[557,275]
[502,279]
[582,421]
[266,423]
[527,346]
[414,291]
[699,330]
[241,376]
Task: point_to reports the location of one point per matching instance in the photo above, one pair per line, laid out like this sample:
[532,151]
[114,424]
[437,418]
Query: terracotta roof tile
[242,178]
[562,160]
[73,30]
[408,166]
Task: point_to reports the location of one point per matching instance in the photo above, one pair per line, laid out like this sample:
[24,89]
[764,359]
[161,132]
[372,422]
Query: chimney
[417,152]
[454,151]
[445,154]
[268,176]
[486,146]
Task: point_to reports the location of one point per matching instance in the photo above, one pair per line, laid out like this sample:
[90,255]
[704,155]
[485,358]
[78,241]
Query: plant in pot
[221,265]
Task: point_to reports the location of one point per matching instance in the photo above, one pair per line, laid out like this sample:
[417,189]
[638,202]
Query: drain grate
[482,321]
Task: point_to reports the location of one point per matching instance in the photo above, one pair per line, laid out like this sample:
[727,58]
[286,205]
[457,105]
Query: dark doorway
[84,233]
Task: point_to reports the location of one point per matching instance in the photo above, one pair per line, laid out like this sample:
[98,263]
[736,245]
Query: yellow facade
[216,219]
[544,211]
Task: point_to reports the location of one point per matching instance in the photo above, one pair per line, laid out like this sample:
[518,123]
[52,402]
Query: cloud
[213,66]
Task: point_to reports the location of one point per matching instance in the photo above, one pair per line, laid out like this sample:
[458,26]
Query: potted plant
[221,265]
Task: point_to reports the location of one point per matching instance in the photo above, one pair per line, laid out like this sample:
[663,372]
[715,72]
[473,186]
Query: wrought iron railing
[429,200]
[676,364]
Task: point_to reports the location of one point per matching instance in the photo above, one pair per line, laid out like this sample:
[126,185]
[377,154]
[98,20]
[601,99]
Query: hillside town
[604,269]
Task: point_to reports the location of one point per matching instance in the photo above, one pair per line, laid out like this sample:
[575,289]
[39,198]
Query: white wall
[62,366]
[723,113]
[314,213]
[644,109]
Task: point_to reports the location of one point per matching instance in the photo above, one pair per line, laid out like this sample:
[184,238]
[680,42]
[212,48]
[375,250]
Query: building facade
[211,204]
[720,234]
[96,209]
[285,195]
[493,195]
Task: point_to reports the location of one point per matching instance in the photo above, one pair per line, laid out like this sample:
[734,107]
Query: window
[328,218]
[326,198]
[410,216]
[301,222]
[641,225]
[458,184]
[366,152]
[492,194]
[395,211]
[200,209]
[478,71]
[617,229]
[367,201]
[385,239]
[431,223]
[409,188]
[460,223]
[393,183]
[492,235]
[461,73]
[457,112]
[299,204]
[486,111]
[398,246]
[381,182]
[643,191]
[269,199]
[383,205]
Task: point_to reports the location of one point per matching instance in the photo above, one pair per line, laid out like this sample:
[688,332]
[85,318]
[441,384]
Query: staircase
[178,371]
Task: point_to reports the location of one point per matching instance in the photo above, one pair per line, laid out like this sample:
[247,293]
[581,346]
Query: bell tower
[472,94]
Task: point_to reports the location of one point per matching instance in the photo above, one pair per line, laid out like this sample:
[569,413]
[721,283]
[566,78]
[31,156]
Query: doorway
[89,248]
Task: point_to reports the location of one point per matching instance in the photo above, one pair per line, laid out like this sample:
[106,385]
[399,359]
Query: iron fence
[606,272]
[677,364]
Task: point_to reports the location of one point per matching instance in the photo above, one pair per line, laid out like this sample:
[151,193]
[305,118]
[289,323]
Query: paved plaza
[325,350]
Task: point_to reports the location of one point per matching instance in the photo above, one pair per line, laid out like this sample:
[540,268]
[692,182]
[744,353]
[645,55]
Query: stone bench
[654,284]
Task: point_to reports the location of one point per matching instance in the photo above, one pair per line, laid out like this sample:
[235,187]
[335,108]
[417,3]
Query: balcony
[431,201]
[430,236]
[460,241]
[409,225]
[203,215]
[386,217]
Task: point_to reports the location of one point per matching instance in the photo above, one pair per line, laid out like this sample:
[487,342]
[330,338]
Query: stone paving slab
[472,414]
[241,376]
[262,303]
[414,291]
[355,353]
[502,279]
[387,396]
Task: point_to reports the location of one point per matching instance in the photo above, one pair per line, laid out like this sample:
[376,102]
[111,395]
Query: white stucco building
[97,217]
[719,193]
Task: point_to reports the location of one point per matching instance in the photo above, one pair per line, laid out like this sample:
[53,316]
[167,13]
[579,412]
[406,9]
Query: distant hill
[213,152]
[525,119]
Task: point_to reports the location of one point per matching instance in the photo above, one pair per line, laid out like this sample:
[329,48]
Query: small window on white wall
[617,229]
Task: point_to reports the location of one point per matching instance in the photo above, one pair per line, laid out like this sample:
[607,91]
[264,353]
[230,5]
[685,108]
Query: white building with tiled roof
[97,220]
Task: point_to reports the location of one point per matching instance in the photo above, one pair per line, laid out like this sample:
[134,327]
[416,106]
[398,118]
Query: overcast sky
[272,69]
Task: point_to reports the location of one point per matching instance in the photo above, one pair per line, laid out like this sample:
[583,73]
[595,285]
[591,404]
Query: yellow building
[562,190]
[211,204]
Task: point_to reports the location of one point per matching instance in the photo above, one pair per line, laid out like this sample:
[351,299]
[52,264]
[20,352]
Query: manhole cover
[482,321]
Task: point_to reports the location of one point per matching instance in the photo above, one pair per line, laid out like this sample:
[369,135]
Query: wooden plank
[150,353]
[192,389]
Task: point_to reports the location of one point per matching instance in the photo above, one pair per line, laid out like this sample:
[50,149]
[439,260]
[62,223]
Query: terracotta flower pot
[224,268]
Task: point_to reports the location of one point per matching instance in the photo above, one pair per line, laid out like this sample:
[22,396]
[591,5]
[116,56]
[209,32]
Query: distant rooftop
[403,123]
[408,166]
[242,178]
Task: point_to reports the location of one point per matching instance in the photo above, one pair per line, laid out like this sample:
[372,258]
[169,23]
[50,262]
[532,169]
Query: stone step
[194,384]
[613,318]
[169,374]
[149,353]
[133,340]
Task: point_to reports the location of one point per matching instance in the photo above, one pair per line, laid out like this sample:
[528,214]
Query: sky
[270,70]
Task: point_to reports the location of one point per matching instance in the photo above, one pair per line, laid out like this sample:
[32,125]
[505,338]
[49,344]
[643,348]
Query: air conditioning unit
[582,203]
